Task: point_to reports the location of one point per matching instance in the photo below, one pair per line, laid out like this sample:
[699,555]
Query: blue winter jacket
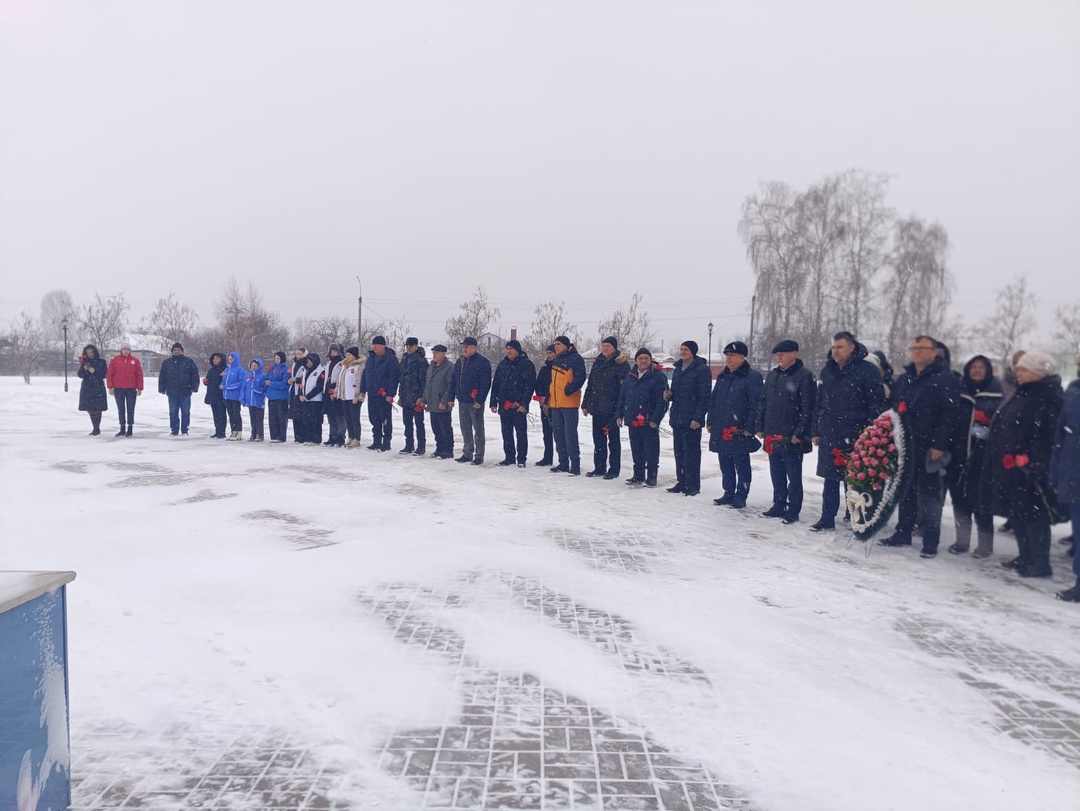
[1065,458]
[232,377]
[253,390]
[380,373]
[468,375]
[278,376]
[690,384]
[735,400]
[642,393]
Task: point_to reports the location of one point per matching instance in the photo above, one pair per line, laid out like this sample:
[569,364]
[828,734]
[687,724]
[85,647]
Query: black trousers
[255,415]
[545,426]
[279,419]
[607,444]
[236,417]
[785,470]
[735,474]
[381,416]
[351,411]
[309,424]
[922,504]
[443,429]
[688,457]
[217,409]
[645,450]
[414,424]
[125,405]
[515,426]
[335,418]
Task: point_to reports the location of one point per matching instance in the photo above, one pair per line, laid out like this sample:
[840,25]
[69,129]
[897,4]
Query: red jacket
[124,373]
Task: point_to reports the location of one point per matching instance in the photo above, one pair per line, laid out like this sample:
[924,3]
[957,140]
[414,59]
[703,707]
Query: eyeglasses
[923,348]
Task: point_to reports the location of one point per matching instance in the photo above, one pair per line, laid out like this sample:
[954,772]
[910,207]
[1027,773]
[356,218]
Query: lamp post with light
[710,344]
[66,353]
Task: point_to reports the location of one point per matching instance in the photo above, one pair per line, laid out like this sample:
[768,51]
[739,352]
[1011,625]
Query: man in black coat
[411,381]
[511,392]
[215,398]
[606,378]
[543,389]
[732,416]
[928,393]
[691,382]
[849,397]
[783,422]
[178,379]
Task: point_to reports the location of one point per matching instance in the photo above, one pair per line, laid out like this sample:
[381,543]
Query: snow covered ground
[264,626]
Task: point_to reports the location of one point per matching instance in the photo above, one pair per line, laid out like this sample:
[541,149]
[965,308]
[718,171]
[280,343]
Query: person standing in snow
[214,397]
[850,396]
[178,378]
[511,392]
[412,375]
[295,386]
[787,409]
[543,391]
[378,385]
[277,397]
[124,380]
[348,392]
[1065,471]
[470,382]
[312,386]
[332,406]
[980,396]
[564,399]
[253,396]
[641,406]
[733,407]
[691,382]
[929,393]
[92,396]
[438,400]
[605,380]
[232,382]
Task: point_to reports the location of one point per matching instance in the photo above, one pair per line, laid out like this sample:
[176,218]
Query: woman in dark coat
[214,397]
[980,397]
[1016,468]
[93,398]
[1065,472]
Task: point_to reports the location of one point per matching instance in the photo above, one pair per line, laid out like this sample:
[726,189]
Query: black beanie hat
[562,339]
[378,339]
[692,346]
[642,351]
[611,339]
[178,345]
[354,351]
[515,345]
[411,341]
[550,348]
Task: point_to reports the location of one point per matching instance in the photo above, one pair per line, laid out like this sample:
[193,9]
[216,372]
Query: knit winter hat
[611,339]
[354,351]
[642,351]
[178,345]
[550,348]
[562,339]
[1039,363]
[515,345]
[378,340]
[692,346]
[125,344]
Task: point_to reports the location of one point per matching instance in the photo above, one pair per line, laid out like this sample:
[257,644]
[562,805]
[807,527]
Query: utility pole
[360,315]
[66,353]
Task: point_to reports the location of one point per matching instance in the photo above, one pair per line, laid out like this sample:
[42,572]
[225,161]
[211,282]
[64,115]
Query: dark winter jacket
[543,379]
[513,383]
[690,389]
[848,399]
[567,378]
[1065,457]
[333,374]
[232,378]
[470,375]
[380,373]
[92,394]
[179,376]
[437,387]
[278,376]
[212,379]
[313,378]
[253,389]
[605,380]
[1023,426]
[734,404]
[642,395]
[931,401]
[412,377]
[978,403]
[787,403]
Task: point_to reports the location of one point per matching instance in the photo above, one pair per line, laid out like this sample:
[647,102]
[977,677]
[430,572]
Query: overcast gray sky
[567,150]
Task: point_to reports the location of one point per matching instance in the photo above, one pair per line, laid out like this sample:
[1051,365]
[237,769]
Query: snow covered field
[264,626]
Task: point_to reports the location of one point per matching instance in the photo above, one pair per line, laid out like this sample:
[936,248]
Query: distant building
[151,350]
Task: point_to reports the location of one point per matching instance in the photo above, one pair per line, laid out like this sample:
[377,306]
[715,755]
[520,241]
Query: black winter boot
[575,468]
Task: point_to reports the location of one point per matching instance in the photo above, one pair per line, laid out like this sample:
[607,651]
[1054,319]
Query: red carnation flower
[1009,461]
[729,433]
[981,418]
[902,408]
[537,398]
[1022,460]
[838,458]
[418,408]
[473,393]
[606,430]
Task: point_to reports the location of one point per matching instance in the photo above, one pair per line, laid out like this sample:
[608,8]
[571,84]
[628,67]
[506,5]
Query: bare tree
[475,319]
[246,325]
[919,287]
[549,320]
[1011,321]
[171,321]
[397,330]
[26,344]
[821,220]
[630,325]
[104,321]
[56,305]
[1067,332]
[318,333]
[864,239]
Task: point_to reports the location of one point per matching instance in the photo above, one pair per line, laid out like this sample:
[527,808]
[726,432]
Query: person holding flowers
[511,392]
[732,418]
[641,406]
[1065,471]
[470,382]
[378,385]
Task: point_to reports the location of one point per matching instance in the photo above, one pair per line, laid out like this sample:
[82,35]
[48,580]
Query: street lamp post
[710,344]
[359,314]
[65,324]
